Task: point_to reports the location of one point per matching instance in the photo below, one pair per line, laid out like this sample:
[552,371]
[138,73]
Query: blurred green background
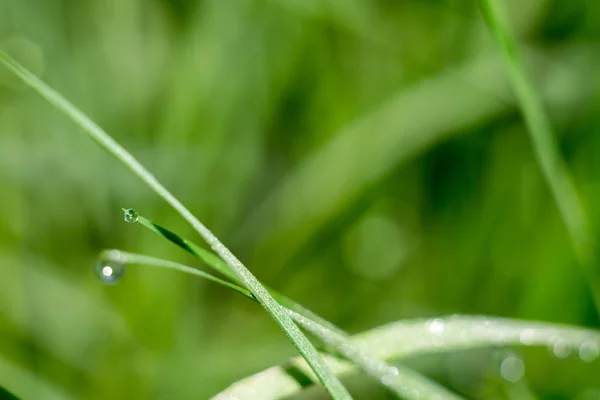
[364,157]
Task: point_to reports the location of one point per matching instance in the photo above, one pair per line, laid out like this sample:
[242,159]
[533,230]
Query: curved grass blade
[140,259]
[545,148]
[417,337]
[16,381]
[400,380]
[302,344]
[6,395]
[218,265]
[404,383]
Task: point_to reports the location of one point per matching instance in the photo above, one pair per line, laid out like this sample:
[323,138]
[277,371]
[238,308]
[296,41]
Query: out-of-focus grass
[455,192]
[546,151]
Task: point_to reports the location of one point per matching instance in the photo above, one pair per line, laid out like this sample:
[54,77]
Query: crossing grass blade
[302,344]
[411,338]
[218,265]
[401,381]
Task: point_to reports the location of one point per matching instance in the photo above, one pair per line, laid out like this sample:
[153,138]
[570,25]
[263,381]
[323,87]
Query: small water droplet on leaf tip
[130,215]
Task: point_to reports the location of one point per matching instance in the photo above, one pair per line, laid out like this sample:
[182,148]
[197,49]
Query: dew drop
[589,351]
[437,327]
[109,270]
[562,348]
[512,369]
[527,336]
[130,215]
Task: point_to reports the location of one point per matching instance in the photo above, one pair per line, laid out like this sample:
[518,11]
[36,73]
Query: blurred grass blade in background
[370,147]
[545,147]
[25,384]
[302,344]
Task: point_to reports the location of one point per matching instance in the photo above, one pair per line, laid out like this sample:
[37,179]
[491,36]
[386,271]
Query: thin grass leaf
[400,380]
[218,265]
[545,148]
[140,259]
[302,344]
[405,383]
[418,337]
[6,395]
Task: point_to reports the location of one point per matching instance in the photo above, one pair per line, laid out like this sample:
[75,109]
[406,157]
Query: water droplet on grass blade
[589,351]
[562,348]
[130,215]
[110,268]
[512,369]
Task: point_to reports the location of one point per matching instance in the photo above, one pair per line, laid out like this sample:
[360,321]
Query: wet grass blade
[402,381]
[218,265]
[302,344]
[545,147]
[412,338]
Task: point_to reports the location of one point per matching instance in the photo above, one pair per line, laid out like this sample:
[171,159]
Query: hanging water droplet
[589,351]
[562,348]
[130,215]
[512,369]
[110,269]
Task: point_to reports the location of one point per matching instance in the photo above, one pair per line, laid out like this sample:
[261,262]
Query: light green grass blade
[545,148]
[302,344]
[140,259]
[418,337]
[402,381]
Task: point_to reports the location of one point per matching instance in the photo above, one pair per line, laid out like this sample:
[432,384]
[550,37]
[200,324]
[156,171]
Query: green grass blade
[218,265]
[25,384]
[302,344]
[545,148]
[140,259]
[400,380]
[412,338]
[6,395]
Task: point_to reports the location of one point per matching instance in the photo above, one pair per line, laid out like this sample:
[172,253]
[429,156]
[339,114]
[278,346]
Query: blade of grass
[25,384]
[140,259]
[418,337]
[400,380]
[545,148]
[403,382]
[218,265]
[302,344]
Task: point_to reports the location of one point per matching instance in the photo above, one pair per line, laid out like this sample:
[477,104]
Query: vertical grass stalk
[545,147]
